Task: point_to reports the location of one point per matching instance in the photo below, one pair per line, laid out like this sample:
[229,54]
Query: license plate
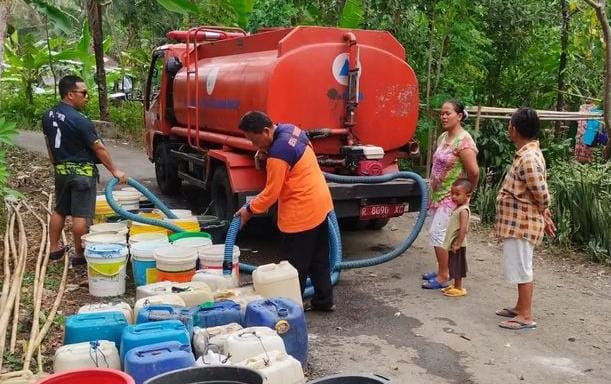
[381,210]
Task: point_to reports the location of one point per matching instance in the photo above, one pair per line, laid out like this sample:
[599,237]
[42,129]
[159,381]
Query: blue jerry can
[138,335]
[287,318]
[148,361]
[213,314]
[95,326]
[160,312]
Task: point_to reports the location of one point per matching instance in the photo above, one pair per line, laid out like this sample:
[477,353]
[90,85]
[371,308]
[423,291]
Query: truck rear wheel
[224,202]
[166,170]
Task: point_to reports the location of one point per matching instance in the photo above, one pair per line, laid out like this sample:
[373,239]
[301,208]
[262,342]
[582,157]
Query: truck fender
[240,167]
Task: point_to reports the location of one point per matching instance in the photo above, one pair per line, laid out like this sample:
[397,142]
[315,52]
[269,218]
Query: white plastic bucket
[180,213]
[211,260]
[106,269]
[96,238]
[175,263]
[148,236]
[128,199]
[193,242]
[120,228]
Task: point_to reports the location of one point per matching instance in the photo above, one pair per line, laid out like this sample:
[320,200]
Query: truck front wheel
[166,170]
[224,203]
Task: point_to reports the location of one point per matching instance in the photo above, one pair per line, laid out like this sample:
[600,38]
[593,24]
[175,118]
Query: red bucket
[89,376]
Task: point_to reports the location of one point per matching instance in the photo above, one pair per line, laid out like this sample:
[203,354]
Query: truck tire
[224,203]
[166,170]
[353,224]
[378,224]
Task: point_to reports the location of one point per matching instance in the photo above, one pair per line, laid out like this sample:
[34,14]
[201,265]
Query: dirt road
[386,324]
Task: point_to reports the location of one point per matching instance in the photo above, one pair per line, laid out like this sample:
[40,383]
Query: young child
[455,241]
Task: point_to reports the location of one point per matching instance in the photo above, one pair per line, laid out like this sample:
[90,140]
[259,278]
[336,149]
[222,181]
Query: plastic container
[89,354]
[120,306]
[94,238]
[287,318]
[139,335]
[180,213]
[89,376]
[138,228]
[127,199]
[213,314]
[120,228]
[214,280]
[94,326]
[192,292]
[196,243]
[168,298]
[209,375]
[211,259]
[106,269]
[144,266]
[150,236]
[212,338]
[189,224]
[253,341]
[148,361]
[243,296]
[276,367]
[175,263]
[211,359]
[352,379]
[161,312]
[277,280]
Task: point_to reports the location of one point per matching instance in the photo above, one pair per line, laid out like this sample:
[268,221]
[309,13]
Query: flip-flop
[517,324]
[429,275]
[506,312]
[56,255]
[76,261]
[447,288]
[454,292]
[433,284]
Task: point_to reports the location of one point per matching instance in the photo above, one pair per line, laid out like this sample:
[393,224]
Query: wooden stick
[5,315]
[7,270]
[60,294]
[478,118]
[38,290]
[23,256]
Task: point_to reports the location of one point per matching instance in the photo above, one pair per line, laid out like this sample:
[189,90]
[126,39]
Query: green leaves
[352,14]
[56,16]
[241,9]
[184,7]
[7,131]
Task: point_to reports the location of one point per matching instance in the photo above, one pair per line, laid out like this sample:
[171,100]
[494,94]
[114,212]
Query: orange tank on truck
[351,90]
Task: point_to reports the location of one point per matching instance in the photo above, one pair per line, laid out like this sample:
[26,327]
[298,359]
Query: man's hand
[550,227]
[121,176]
[455,246]
[244,216]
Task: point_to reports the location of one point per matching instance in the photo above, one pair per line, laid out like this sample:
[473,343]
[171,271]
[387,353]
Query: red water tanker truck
[351,90]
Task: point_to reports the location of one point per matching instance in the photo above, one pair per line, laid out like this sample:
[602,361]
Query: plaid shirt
[523,196]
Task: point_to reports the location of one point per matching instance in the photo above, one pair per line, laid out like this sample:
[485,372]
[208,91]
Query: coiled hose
[335,244]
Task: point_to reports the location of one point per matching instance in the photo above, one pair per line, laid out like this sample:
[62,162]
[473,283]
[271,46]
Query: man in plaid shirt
[523,215]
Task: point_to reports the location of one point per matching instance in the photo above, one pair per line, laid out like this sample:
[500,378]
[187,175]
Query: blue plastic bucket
[143,261]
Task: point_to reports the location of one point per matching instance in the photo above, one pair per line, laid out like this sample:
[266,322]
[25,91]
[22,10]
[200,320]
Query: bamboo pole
[7,271]
[478,118]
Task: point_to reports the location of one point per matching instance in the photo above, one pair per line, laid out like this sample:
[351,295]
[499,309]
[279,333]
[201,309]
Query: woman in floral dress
[454,158]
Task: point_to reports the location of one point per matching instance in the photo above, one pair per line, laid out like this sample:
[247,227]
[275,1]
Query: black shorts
[458,263]
[75,195]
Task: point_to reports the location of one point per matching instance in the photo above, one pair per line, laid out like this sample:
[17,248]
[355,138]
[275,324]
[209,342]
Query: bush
[580,194]
[129,117]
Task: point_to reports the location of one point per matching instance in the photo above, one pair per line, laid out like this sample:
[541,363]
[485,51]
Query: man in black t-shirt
[74,149]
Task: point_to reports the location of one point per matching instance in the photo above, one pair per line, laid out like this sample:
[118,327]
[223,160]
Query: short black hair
[526,122]
[458,108]
[67,84]
[464,184]
[255,121]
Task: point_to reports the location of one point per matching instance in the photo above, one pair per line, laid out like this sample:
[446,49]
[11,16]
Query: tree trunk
[564,42]
[94,14]
[4,7]
[601,14]
[429,150]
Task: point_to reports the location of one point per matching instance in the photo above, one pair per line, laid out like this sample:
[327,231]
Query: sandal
[56,255]
[517,324]
[506,312]
[434,284]
[429,275]
[76,261]
[454,292]
[447,288]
